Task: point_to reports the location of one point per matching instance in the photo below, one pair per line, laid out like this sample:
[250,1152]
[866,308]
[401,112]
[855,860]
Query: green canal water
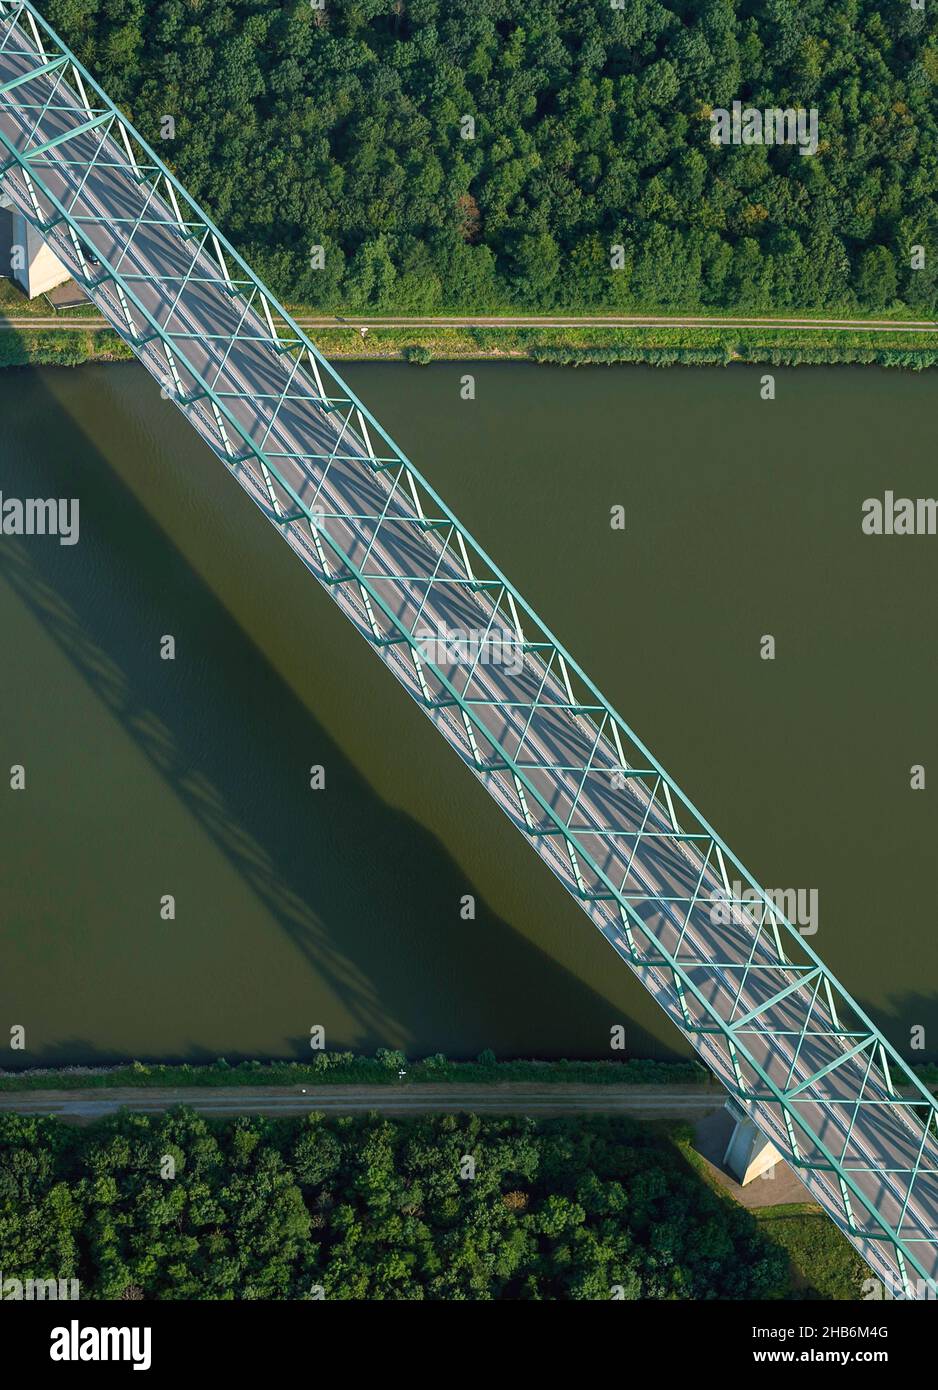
[341,907]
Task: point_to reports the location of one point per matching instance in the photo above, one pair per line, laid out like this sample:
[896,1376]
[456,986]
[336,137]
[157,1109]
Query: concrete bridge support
[32,265]
[748,1155]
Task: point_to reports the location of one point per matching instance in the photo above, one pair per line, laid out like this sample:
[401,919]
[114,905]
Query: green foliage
[914,359]
[653,357]
[593,346]
[53,349]
[825,1263]
[341,128]
[342,1068]
[370,1208]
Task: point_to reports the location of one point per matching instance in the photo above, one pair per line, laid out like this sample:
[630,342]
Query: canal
[341,907]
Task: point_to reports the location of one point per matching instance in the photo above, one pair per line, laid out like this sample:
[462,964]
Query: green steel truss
[797,1053]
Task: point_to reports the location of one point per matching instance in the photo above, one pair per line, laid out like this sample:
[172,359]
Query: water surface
[341,908]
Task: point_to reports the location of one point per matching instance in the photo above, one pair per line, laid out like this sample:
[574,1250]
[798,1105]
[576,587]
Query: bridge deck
[570,778]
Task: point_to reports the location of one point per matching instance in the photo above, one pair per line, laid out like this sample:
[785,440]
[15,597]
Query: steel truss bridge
[797,1053]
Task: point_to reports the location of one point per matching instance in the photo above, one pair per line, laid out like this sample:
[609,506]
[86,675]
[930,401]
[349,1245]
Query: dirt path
[510,1098]
[65,323]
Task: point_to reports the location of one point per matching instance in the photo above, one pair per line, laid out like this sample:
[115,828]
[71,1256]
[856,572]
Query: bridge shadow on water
[353,882]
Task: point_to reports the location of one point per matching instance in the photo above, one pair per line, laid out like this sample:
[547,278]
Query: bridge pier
[40,270]
[748,1155]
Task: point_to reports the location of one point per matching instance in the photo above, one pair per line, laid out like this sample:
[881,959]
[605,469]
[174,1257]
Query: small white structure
[33,265]
[748,1155]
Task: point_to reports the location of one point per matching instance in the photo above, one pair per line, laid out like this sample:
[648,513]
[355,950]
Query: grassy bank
[656,346]
[384,1068]
[564,346]
[22,347]
[823,1263]
[345,1068]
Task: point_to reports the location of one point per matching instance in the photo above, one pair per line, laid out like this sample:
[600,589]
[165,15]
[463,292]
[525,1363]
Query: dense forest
[369,1207]
[343,127]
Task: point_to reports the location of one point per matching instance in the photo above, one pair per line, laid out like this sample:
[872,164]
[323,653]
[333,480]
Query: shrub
[418,354]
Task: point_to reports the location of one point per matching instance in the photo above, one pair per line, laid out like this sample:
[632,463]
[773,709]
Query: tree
[369,282]
[877,280]
[317,1154]
[537,262]
[591,128]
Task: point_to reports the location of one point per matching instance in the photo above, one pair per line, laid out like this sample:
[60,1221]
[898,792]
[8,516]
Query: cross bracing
[798,1054]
